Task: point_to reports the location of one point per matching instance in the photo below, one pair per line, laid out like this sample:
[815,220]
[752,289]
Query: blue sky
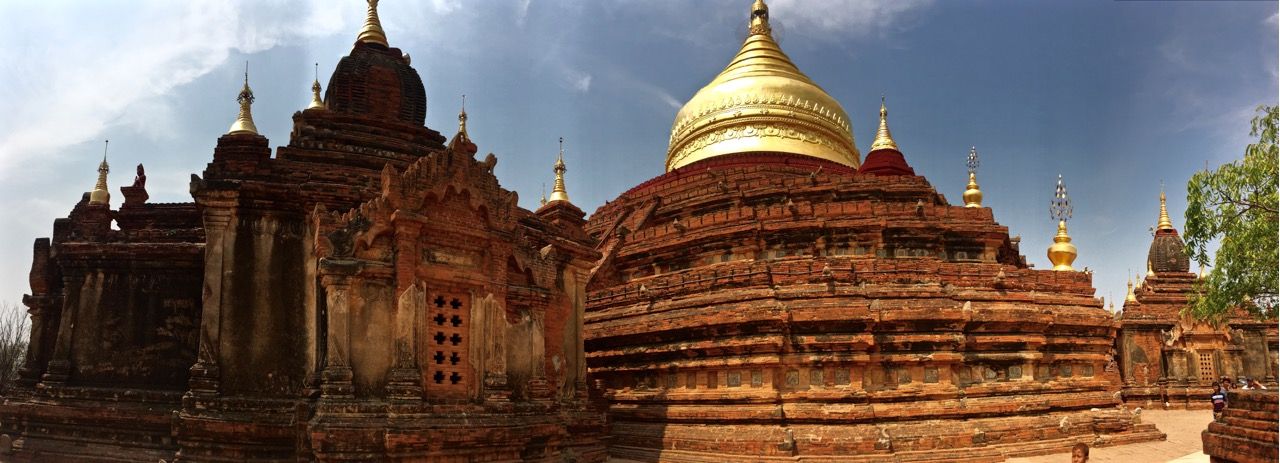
[1116,96]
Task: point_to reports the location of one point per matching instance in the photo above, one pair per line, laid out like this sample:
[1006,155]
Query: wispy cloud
[1175,53]
[832,20]
[120,74]
[1188,77]
[522,11]
[845,18]
[576,79]
[617,77]
[446,6]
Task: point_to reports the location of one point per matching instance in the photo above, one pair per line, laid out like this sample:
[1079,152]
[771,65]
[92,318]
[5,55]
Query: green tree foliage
[1236,206]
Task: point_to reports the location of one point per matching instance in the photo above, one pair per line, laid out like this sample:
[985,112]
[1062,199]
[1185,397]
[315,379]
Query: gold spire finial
[759,23]
[1165,223]
[558,192]
[972,195]
[244,121]
[883,139]
[462,118]
[372,31]
[1061,253]
[316,101]
[1129,296]
[1150,271]
[100,194]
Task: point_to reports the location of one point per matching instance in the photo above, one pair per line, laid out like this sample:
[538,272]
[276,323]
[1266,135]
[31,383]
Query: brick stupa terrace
[754,305]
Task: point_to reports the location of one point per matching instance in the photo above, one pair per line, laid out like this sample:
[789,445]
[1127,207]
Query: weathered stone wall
[114,313]
[441,300]
[135,328]
[263,329]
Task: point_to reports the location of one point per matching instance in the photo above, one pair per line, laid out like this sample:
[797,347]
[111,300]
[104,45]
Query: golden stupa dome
[761,102]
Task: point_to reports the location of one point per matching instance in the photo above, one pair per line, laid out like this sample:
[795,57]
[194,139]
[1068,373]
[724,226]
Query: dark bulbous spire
[376,81]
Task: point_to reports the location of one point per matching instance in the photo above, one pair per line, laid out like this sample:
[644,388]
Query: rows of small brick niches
[846,211]
[822,377]
[752,179]
[800,271]
[678,258]
[765,175]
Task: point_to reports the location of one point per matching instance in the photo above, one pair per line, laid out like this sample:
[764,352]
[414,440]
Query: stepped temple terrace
[369,291]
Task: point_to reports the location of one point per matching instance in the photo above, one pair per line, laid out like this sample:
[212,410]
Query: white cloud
[522,11]
[1176,53]
[576,79]
[843,17]
[446,6]
[665,97]
[116,67]
[625,80]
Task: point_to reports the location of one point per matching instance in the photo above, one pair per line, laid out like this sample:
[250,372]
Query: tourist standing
[1219,399]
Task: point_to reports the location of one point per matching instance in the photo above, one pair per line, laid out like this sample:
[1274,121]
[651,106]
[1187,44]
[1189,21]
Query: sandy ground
[1183,445]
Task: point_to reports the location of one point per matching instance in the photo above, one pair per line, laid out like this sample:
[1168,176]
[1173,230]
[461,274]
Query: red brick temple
[772,298]
[1172,360]
[370,292]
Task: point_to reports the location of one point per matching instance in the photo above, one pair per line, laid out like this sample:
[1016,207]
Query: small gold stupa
[316,101]
[244,120]
[761,102]
[372,30]
[558,192]
[1164,223]
[1061,253]
[100,194]
[973,195]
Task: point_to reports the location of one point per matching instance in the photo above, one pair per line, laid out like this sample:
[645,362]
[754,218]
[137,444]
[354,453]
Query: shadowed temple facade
[370,292]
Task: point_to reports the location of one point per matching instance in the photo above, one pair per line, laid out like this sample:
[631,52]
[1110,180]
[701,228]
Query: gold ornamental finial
[100,194]
[1150,271]
[372,31]
[1061,253]
[244,121]
[558,192]
[316,101]
[759,23]
[462,119]
[972,195]
[1165,223]
[883,139]
[1129,296]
